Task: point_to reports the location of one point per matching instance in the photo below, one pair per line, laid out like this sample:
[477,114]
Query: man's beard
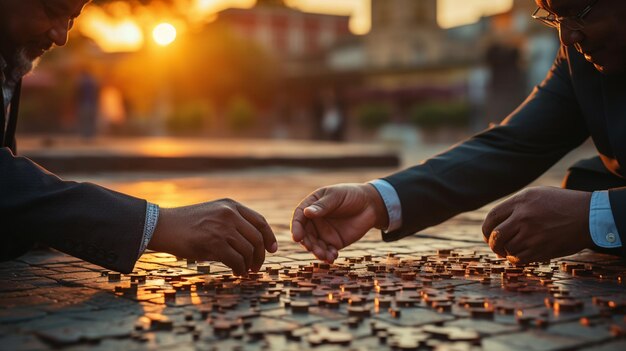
[21,65]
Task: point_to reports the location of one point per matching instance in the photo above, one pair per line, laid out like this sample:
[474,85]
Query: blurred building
[287,32]
[404,33]
[407,58]
[297,58]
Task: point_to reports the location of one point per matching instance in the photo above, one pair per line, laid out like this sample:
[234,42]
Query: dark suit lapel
[2,114]
[3,111]
[614,93]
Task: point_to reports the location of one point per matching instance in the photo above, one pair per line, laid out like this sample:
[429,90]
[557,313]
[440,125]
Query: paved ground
[409,295]
[65,154]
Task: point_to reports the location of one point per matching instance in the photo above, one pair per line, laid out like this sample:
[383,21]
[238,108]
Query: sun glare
[117,27]
[164,34]
[112,35]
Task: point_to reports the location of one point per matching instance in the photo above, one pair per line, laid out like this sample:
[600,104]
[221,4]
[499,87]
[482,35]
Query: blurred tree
[192,117]
[212,65]
[216,62]
[440,114]
[240,114]
[372,116]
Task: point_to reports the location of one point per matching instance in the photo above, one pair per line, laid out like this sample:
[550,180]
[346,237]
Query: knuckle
[227,202]
[531,193]
[320,203]
[523,195]
[227,212]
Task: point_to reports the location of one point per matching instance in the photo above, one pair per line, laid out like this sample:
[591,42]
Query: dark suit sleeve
[618,207]
[82,219]
[496,162]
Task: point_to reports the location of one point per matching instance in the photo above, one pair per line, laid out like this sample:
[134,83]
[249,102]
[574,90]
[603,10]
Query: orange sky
[126,32]
[451,12]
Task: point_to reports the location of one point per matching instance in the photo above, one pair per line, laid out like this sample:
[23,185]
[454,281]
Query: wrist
[161,231]
[377,203]
[587,239]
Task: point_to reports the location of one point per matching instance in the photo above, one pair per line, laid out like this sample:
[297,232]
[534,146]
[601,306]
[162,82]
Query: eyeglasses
[571,22]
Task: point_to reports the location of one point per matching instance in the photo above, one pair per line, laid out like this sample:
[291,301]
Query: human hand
[222,230]
[538,224]
[334,217]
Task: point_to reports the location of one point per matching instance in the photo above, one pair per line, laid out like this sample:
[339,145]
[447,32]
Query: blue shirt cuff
[152,216]
[601,222]
[392,203]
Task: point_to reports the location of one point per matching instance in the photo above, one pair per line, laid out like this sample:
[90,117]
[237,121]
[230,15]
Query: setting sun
[164,34]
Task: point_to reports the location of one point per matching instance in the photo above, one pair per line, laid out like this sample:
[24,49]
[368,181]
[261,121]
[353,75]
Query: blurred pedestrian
[331,115]
[87,96]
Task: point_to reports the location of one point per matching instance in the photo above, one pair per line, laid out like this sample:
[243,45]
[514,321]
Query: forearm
[81,219]
[465,178]
[496,162]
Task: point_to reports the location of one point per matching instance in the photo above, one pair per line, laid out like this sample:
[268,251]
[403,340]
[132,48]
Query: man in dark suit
[583,95]
[86,220]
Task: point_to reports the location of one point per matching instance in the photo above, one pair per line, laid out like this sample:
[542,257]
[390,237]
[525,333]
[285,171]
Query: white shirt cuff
[392,203]
[152,216]
[601,222]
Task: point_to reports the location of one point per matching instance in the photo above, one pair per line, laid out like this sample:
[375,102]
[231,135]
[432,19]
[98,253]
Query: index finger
[299,220]
[496,216]
[259,222]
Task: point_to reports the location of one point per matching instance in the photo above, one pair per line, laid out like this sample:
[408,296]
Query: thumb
[322,207]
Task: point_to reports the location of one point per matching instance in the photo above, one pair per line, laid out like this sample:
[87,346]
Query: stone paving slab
[438,290]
